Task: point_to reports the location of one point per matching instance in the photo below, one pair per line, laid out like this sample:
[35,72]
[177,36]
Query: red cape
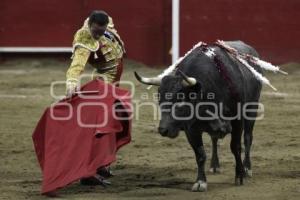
[67,151]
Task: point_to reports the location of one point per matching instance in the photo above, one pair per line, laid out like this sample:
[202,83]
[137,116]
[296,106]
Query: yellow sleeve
[80,58]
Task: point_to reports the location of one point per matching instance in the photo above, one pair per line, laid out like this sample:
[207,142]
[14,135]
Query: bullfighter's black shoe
[105,172]
[95,180]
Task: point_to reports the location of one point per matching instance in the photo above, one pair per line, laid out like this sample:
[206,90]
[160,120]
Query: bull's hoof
[238,181]
[199,186]
[248,173]
[216,170]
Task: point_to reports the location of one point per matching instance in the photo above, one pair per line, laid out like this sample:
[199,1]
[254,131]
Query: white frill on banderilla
[242,58]
[246,58]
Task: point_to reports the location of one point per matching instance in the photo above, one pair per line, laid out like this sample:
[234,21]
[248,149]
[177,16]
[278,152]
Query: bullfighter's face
[97,30]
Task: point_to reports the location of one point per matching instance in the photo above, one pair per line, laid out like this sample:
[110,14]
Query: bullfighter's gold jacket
[103,54]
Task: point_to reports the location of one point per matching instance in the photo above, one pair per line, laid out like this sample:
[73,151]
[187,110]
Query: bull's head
[171,106]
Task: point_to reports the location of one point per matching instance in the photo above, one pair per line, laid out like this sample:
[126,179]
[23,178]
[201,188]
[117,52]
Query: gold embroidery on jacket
[84,44]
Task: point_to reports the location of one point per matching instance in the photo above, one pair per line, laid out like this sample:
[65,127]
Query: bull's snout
[168,133]
[163,131]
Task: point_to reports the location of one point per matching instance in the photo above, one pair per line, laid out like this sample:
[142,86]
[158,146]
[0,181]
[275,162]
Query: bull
[208,84]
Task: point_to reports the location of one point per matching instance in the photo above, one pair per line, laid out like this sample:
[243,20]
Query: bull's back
[205,70]
[250,86]
[242,47]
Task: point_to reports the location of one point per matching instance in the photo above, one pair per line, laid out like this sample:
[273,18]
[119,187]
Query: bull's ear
[187,81]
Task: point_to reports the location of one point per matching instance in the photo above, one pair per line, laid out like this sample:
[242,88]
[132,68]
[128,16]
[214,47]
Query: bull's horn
[187,81]
[148,81]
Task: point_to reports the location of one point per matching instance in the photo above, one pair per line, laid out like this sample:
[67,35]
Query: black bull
[224,82]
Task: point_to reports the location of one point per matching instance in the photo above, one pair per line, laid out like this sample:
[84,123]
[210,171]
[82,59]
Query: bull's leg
[195,140]
[248,136]
[214,163]
[235,146]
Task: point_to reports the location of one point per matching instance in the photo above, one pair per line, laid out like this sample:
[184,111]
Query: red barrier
[271,26]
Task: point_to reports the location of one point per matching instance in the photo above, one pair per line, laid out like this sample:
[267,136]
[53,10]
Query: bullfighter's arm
[76,68]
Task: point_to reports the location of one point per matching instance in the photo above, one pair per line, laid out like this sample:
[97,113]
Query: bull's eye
[180,96]
[182,110]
